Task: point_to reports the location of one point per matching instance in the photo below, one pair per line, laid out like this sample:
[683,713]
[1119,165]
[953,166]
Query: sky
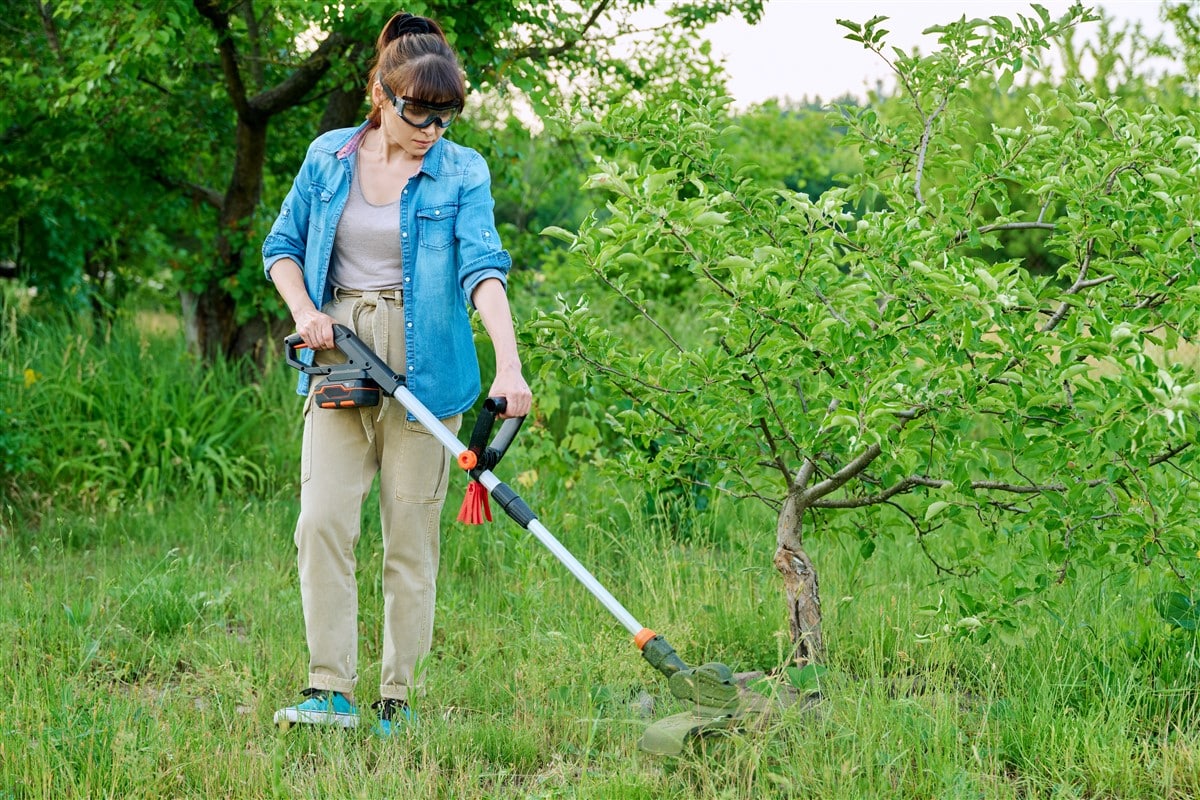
[797,49]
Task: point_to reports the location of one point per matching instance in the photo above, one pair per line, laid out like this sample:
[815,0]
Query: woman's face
[414,140]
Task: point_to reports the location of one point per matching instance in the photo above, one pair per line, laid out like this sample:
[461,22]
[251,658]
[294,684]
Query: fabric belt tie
[375,301]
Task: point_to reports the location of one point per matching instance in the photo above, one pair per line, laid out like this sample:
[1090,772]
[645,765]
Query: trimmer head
[717,703]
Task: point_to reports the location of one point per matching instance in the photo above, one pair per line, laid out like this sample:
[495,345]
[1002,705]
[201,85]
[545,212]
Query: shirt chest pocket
[435,226]
[320,201]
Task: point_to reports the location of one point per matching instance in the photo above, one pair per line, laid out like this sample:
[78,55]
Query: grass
[128,415]
[151,649]
[152,625]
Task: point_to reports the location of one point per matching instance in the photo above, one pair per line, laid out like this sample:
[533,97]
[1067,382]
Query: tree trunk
[344,107]
[211,314]
[803,604]
[799,581]
[210,322]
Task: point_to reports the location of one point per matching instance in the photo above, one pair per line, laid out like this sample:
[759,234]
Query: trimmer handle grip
[487,456]
[295,343]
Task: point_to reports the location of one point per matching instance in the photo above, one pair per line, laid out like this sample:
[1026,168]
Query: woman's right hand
[315,328]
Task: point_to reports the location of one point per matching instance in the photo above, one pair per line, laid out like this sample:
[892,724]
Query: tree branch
[219,20]
[1167,456]
[152,167]
[638,307]
[292,89]
[926,135]
[255,39]
[1080,284]
[541,53]
[961,236]
[607,370]
[47,17]
[280,97]
[842,476]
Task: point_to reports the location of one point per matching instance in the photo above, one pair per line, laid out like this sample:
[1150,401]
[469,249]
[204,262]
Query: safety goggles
[423,113]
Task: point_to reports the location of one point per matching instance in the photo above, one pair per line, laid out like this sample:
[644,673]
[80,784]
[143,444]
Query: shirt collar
[351,146]
[431,165]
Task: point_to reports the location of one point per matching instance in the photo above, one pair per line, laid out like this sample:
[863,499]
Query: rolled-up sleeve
[289,233]
[480,253]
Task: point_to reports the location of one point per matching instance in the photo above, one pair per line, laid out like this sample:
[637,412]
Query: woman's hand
[511,385]
[315,328]
[490,299]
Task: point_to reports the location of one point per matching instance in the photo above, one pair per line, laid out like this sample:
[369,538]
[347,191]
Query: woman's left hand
[511,385]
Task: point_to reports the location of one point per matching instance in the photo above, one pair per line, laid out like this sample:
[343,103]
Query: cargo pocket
[425,473]
[306,441]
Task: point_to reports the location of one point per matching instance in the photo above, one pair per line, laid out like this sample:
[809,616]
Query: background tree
[191,113]
[858,372]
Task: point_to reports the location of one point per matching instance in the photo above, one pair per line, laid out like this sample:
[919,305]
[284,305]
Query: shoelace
[388,707]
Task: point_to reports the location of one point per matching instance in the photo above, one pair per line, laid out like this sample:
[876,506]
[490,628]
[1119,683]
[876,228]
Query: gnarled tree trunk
[799,583]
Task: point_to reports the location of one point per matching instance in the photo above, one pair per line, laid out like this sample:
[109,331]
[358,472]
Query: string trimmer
[714,699]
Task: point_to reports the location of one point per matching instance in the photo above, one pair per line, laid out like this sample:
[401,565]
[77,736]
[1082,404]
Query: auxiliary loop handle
[479,455]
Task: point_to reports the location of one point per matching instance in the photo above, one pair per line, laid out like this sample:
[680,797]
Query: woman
[388,229]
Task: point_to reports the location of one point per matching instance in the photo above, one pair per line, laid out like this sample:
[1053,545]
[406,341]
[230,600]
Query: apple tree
[853,360]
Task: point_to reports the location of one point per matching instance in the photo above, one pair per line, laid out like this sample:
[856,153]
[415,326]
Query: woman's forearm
[315,328]
[492,303]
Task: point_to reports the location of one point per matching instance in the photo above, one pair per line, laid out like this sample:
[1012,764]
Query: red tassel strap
[475,507]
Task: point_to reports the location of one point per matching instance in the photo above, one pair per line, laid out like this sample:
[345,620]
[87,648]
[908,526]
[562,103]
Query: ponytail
[403,24]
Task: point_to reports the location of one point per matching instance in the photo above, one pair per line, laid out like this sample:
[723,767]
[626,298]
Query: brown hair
[414,58]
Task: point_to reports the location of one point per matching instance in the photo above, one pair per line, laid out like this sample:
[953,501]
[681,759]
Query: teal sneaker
[321,708]
[392,715]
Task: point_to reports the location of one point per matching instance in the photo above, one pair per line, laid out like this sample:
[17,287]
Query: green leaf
[555,232]
[1179,237]
[586,127]
[1178,610]
[710,218]
[806,679]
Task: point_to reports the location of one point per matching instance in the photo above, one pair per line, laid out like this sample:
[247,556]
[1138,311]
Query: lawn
[149,649]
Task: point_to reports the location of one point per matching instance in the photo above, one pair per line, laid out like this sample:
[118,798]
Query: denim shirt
[448,242]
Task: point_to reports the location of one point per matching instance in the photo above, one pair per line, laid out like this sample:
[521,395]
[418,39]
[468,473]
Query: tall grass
[104,420]
[148,664]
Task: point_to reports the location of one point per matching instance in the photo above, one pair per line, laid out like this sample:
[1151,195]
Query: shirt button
[410,368]
[410,324]
[407,279]
[404,235]
[437,213]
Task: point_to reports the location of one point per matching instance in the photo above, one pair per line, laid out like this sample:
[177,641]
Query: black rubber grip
[513,505]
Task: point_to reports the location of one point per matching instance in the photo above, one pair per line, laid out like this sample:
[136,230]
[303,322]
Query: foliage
[1185,17]
[76,217]
[852,362]
[806,152]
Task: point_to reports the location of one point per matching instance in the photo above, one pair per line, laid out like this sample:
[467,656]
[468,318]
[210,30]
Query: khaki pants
[343,450]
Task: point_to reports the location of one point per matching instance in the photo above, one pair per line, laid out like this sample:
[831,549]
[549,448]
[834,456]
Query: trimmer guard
[671,735]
